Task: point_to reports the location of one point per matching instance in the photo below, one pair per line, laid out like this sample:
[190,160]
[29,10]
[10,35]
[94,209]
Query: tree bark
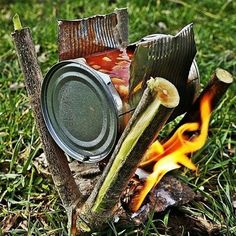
[57,161]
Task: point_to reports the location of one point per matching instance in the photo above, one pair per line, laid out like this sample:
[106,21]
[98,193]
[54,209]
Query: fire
[163,158]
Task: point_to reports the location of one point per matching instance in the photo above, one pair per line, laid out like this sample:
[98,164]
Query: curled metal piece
[82,37]
[165,56]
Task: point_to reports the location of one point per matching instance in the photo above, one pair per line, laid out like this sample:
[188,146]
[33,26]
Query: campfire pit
[157,100]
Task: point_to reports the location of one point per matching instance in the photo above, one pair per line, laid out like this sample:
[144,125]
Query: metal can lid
[79,111]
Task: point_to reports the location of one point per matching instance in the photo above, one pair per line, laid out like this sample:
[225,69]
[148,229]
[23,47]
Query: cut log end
[224,76]
[165,91]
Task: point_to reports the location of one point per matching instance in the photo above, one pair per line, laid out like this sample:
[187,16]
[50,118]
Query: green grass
[28,200]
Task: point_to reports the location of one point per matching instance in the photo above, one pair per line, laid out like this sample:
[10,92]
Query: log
[57,161]
[159,100]
[216,87]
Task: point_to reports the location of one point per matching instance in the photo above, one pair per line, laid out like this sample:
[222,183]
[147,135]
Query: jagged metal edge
[165,56]
[83,37]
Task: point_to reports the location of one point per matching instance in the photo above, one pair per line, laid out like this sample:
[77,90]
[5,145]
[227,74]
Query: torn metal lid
[166,56]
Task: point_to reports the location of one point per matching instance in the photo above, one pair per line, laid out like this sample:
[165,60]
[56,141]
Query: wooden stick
[57,161]
[216,87]
[159,100]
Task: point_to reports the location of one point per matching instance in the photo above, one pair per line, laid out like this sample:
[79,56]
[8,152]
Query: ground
[29,203]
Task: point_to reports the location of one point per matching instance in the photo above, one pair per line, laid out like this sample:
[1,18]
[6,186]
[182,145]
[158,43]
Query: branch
[58,165]
[158,101]
[216,87]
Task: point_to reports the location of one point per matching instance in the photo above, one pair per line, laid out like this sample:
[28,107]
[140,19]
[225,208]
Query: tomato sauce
[116,64]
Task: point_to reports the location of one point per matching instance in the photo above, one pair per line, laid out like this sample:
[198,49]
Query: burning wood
[169,192]
[169,156]
[216,88]
[188,138]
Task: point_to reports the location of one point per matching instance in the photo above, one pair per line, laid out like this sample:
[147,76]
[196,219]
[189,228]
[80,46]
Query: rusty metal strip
[82,37]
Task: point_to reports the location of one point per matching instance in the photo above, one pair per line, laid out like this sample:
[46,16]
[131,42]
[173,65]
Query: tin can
[82,110]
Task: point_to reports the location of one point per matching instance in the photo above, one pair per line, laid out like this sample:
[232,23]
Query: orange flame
[173,153]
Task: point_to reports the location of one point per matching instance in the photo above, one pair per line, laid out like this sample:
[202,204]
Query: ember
[169,156]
